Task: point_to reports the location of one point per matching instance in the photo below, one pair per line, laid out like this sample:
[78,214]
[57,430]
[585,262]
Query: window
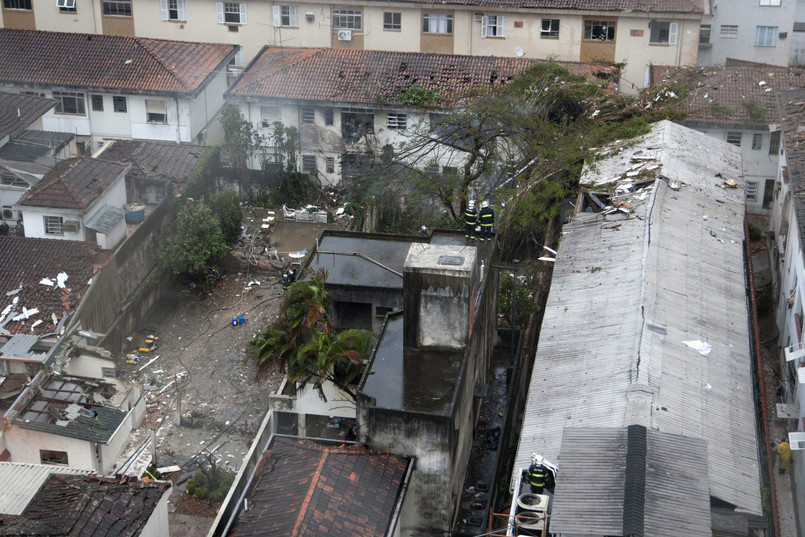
[330,164]
[356,124]
[117,8]
[17,4]
[766,36]
[97,103]
[309,164]
[70,103]
[231,13]
[437,23]
[53,225]
[66,6]
[770,3]
[599,30]
[432,168]
[346,19]
[397,121]
[308,115]
[799,27]
[729,30]
[328,116]
[734,138]
[285,16]
[173,10]
[268,115]
[704,34]
[768,193]
[663,32]
[156,111]
[47,456]
[774,143]
[392,21]
[493,26]
[550,28]
[34,93]
[750,189]
[757,141]
[119,104]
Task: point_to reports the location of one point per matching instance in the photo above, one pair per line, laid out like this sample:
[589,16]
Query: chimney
[438,284]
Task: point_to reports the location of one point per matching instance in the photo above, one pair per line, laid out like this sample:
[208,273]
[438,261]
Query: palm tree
[338,358]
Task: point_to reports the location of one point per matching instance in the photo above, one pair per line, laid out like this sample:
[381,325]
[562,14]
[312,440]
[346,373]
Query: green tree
[226,207]
[302,342]
[195,242]
[242,142]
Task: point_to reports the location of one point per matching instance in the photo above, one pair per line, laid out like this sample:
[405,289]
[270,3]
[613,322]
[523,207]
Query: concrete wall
[157,525]
[24,446]
[109,453]
[88,366]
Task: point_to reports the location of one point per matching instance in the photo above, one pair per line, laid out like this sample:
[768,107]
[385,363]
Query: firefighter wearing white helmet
[537,474]
[470,220]
[486,218]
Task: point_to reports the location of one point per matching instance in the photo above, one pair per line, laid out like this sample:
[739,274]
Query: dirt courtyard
[198,364]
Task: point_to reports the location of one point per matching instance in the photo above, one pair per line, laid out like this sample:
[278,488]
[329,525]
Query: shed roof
[18,112]
[31,146]
[22,481]
[627,292]
[631,481]
[73,505]
[165,159]
[374,77]
[75,183]
[309,488]
[108,62]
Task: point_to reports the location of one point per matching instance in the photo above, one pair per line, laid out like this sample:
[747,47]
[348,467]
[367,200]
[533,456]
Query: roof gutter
[401,498]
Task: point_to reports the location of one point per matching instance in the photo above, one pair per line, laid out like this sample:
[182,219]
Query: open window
[47,456]
[156,111]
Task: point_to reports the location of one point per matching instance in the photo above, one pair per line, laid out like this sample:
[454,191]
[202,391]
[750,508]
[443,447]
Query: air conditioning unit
[345,35]
[9,213]
[71,226]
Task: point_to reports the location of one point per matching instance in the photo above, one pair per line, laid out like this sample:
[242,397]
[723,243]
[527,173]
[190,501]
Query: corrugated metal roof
[627,291]
[21,482]
[105,219]
[595,480]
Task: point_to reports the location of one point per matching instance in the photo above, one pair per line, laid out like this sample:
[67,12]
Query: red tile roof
[74,183]
[26,261]
[725,94]
[305,489]
[18,111]
[77,505]
[107,62]
[373,76]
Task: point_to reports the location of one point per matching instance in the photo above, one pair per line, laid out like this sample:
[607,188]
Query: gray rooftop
[21,482]
[105,219]
[21,348]
[627,291]
[31,146]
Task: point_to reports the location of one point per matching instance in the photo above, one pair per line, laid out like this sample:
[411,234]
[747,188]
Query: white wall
[88,366]
[157,525]
[112,450]
[24,446]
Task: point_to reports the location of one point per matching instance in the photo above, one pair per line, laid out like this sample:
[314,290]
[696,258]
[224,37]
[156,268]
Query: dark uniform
[487,219]
[470,221]
[3,227]
[537,477]
[286,280]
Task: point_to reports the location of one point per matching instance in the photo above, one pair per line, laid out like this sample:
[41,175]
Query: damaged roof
[18,112]
[22,481]
[311,488]
[109,62]
[26,263]
[631,285]
[75,183]
[31,146]
[732,95]
[162,159]
[792,110]
[75,505]
[375,77]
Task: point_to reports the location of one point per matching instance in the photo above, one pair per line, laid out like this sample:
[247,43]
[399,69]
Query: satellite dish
[519,52]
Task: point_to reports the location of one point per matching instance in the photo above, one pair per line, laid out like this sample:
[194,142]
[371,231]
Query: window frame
[96,102]
[80,103]
[120,104]
[670,37]
[734,137]
[705,29]
[148,113]
[757,141]
[728,31]
[116,8]
[770,3]
[307,115]
[54,457]
[774,143]
[610,27]
[286,16]
[434,20]
[22,5]
[329,164]
[347,19]
[766,36]
[53,225]
[268,116]
[750,190]
[171,13]
[396,121]
[392,21]
[66,6]
[548,33]
[224,12]
[495,23]
[306,164]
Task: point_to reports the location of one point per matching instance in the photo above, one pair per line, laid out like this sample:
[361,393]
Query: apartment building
[630,32]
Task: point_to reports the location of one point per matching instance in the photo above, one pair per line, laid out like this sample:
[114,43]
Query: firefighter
[286,280]
[487,218]
[470,220]
[537,474]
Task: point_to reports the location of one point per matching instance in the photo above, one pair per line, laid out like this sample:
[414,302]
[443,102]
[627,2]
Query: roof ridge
[58,178]
[139,41]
